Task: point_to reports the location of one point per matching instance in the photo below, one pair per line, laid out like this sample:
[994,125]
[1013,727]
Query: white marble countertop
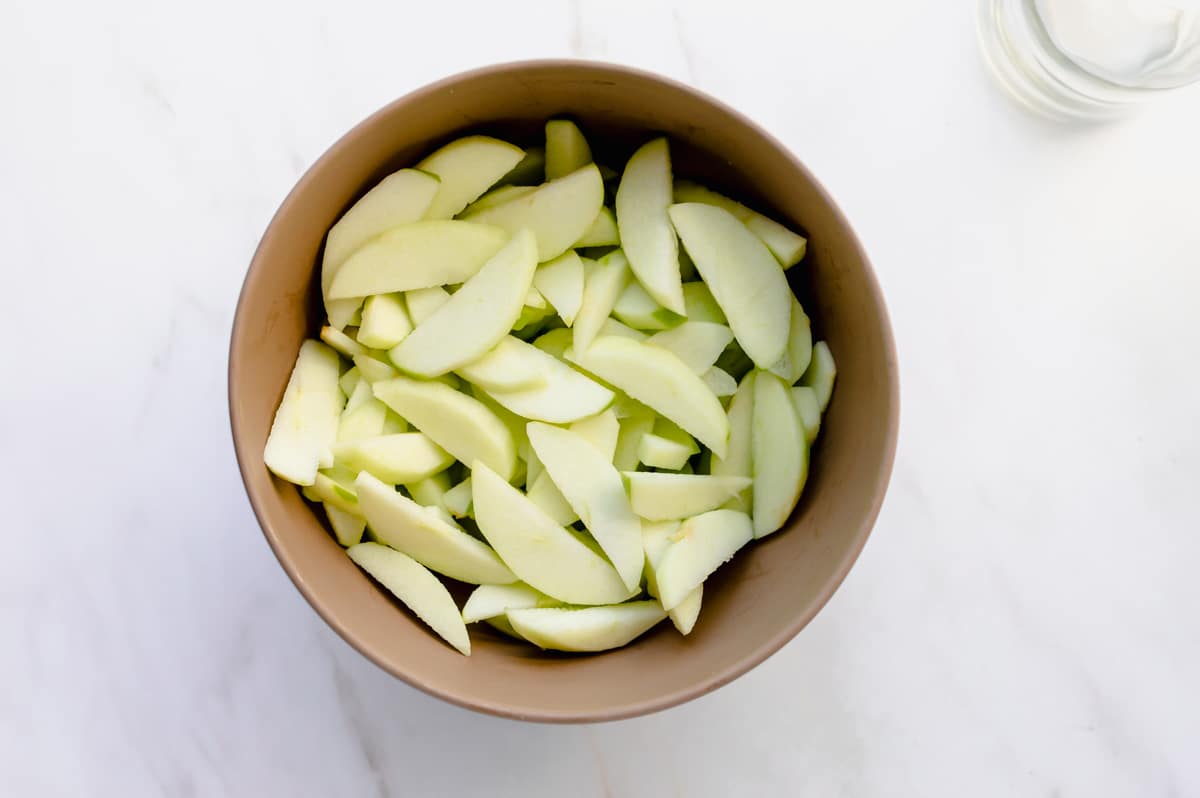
[1024,621]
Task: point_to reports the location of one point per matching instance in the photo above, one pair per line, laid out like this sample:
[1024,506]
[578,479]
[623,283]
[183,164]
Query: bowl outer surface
[753,605]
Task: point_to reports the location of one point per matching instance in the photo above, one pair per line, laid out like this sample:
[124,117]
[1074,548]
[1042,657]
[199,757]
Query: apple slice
[594,490]
[603,282]
[423,302]
[428,538]
[555,342]
[540,552]
[417,588]
[634,427]
[417,255]
[385,322]
[430,491]
[461,425]
[614,327]
[658,452]
[306,422]
[602,233]
[696,343]
[561,282]
[546,495]
[601,431]
[395,459]
[743,276]
[808,407]
[498,196]
[372,369]
[821,373]
[488,601]
[505,368]
[467,167]
[362,419]
[701,545]
[638,309]
[327,490]
[787,247]
[780,454]
[399,198]
[719,382]
[530,171]
[566,148]
[347,527]
[341,343]
[565,396]
[476,317]
[798,354]
[662,382]
[457,500]
[663,497]
[349,381]
[588,628]
[738,461]
[700,305]
[558,212]
[642,200]
[656,537]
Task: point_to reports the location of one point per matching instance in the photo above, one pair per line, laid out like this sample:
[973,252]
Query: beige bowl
[753,605]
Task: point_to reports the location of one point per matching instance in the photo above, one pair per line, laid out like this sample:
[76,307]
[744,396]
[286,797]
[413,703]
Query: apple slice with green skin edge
[639,310]
[821,374]
[601,431]
[489,601]
[341,343]
[642,200]
[476,318]
[662,382]
[327,490]
[603,282]
[656,537]
[417,589]
[738,461]
[602,233]
[701,545]
[659,452]
[565,396]
[634,427]
[779,453]
[663,497]
[429,492]
[546,495]
[497,196]
[700,305]
[798,354]
[808,407]
[467,167]
[460,424]
[306,423]
[541,553]
[426,537]
[566,148]
[347,527]
[423,302]
[395,459]
[719,382]
[505,368]
[587,628]
[349,381]
[399,198]
[385,322]
[787,247]
[457,500]
[696,343]
[593,488]
[561,282]
[742,275]
[418,255]
[558,213]
[361,420]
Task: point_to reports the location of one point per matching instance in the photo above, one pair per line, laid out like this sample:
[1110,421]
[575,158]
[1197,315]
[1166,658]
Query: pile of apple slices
[545,396]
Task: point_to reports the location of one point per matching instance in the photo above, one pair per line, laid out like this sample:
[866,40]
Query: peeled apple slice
[719,382]
[497,196]
[476,318]
[696,343]
[663,497]
[561,282]
[798,354]
[488,601]
[656,537]
[738,461]
[586,629]
[601,431]
[395,459]
[743,277]
[363,417]
[328,491]
[659,452]
[421,534]
[467,167]
[540,552]
[429,492]
[564,396]
[700,304]
[808,407]
[639,310]
[506,367]
[341,342]
[457,500]
[385,321]
[546,495]
[602,233]
[634,427]
[417,255]
[566,148]
[603,282]
[701,545]
[649,242]
[347,527]
[306,422]
[787,247]
[780,454]
[821,373]
[423,302]
[417,588]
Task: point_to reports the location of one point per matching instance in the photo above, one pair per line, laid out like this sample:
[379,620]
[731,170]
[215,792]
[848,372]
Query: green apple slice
[540,552]
[306,422]
[587,628]
[566,148]
[457,500]
[327,490]
[476,318]
[656,537]
[604,280]
[372,369]
[743,276]
[780,454]
[546,495]
[423,302]
[341,343]
[467,167]
[506,367]
[602,233]
[488,601]
[662,382]
[417,588]
[700,305]
[659,452]
[719,382]
[362,419]
[663,497]
[696,343]
[395,459]
[398,199]
[808,407]
[565,396]
[417,255]
[787,247]
[638,309]
[561,282]
[500,624]
[557,213]
[738,461]
[458,423]
[430,491]
[601,431]
[798,354]
[646,235]
[385,322]
[498,196]
[821,373]
[634,427]
[593,488]
[429,539]
[347,527]
[701,546]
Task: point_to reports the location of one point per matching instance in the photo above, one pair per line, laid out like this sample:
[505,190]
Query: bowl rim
[748,659]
